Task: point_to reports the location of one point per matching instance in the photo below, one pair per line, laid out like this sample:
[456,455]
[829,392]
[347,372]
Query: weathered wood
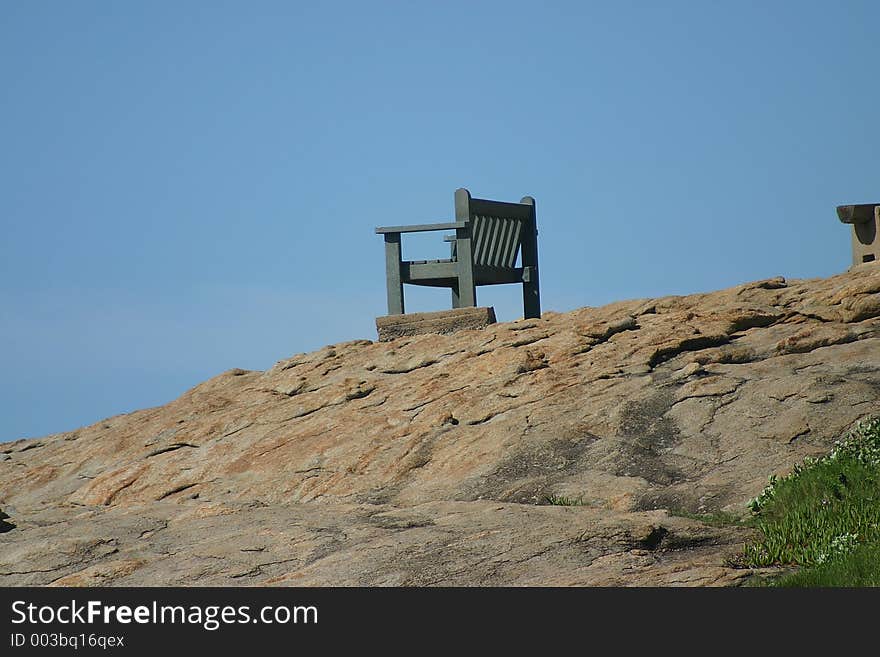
[439,274]
[497,275]
[467,290]
[413,272]
[496,240]
[531,288]
[485,207]
[418,228]
[392,274]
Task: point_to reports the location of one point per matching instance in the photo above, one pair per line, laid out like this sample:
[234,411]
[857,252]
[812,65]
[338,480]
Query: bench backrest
[496,240]
[498,229]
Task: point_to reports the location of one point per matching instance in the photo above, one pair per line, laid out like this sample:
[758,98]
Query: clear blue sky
[187,187]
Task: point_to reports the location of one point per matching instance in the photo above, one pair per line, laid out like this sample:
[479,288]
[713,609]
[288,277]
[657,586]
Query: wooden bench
[489,237]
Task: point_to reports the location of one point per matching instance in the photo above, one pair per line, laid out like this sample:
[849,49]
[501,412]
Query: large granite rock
[431,459]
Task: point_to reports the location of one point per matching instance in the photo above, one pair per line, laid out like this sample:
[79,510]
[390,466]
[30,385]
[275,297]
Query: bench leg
[466,291]
[531,293]
[392,273]
[531,300]
[531,288]
[467,296]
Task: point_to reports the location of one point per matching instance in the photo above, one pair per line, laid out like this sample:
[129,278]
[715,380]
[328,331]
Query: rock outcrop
[436,459]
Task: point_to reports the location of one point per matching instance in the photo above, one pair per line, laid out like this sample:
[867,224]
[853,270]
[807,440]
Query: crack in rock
[169,448]
[663,354]
[409,366]
[176,489]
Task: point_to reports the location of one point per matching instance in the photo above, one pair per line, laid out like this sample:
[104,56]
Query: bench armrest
[421,227]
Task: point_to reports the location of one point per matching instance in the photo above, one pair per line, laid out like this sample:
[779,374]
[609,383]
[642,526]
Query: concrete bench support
[445,321]
[865,220]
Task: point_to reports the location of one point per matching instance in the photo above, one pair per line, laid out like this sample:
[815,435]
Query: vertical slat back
[496,240]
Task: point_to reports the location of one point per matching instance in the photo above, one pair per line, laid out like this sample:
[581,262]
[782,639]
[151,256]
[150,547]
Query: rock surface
[431,460]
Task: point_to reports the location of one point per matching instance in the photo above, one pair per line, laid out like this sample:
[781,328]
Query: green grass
[824,517]
[562,500]
[857,568]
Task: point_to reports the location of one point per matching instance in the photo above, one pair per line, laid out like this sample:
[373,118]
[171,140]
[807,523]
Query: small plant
[562,500]
[757,503]
[840,546]
[861,444]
